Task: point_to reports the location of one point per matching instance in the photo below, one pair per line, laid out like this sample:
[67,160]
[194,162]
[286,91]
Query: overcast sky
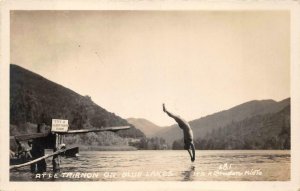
[130,63]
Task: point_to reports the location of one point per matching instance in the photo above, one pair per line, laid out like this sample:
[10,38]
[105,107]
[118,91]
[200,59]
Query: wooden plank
[97,130]
[59,152]
[38,159]
[29,136]
[39,135]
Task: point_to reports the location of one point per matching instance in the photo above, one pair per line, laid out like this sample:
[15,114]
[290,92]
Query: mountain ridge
[146,126]
[260,132]
[206,124]
[35,99]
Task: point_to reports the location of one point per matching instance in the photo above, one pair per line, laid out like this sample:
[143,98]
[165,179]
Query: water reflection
[275,165]
[188,175]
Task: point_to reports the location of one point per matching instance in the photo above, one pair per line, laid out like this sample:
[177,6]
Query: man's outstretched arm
[192,147]
[193,151]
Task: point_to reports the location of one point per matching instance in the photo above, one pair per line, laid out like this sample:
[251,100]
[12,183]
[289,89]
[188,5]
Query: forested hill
[266,131]
[34,99]
[204,126]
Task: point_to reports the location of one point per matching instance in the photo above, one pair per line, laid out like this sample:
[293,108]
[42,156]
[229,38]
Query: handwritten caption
[224,170]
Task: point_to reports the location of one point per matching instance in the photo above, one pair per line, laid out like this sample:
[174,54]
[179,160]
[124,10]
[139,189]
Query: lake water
[167,166]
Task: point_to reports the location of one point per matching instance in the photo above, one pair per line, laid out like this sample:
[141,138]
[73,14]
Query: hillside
[145,126]
[205,125]
[34,99]
[267,131]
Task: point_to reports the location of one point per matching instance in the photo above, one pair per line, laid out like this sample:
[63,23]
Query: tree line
[269,131]
[154,143]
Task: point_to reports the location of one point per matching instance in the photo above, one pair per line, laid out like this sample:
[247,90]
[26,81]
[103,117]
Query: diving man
[187,133]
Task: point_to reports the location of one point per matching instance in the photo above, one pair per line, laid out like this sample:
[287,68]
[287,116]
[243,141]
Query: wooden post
[38,151]
[56,158]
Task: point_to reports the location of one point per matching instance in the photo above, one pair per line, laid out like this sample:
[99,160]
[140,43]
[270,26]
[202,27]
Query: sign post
[58,126]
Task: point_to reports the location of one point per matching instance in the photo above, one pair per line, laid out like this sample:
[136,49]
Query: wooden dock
[50,140]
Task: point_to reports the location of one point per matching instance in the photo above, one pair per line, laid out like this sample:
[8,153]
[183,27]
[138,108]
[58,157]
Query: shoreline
[106,148]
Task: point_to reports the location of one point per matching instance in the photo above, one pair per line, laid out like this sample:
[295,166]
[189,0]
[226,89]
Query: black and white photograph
[150,96]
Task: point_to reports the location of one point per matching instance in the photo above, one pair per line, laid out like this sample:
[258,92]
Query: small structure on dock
[31,147]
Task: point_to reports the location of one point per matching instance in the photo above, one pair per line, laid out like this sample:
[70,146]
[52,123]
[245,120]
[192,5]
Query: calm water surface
[167,166]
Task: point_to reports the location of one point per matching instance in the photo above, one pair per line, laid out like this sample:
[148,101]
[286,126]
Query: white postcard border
[292,6]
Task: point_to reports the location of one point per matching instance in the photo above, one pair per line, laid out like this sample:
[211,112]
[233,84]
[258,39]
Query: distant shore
[106,148]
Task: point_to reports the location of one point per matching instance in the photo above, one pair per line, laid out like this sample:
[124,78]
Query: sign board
[59,125]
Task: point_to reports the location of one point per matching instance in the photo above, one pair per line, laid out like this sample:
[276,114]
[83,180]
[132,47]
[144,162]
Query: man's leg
[175,117]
